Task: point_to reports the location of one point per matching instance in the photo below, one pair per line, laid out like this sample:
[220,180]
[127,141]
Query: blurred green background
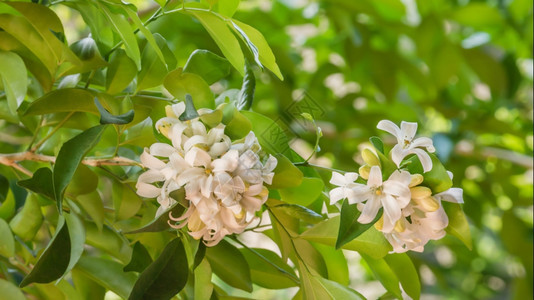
[462,69]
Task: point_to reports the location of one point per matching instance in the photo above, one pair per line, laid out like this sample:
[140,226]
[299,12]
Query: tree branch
[11,159]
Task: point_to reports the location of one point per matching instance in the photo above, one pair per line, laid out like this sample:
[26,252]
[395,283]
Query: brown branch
[11,160]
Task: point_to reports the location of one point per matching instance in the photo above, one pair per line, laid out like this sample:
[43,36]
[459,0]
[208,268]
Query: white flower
[406,144]
[346,187]
[223,182]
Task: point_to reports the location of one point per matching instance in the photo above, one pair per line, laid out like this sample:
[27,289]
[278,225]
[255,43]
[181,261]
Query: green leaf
[7,208]
[86,286]
[63,100]
[69,157]
[77,239]
[199,256]
[227,7]
[144,30]
[120,25]
[384,274]
[318,288]
[10,291]
[125,201]
[153,70]
[55,258]
[140,259]
[224,38]
[107,273]
[437,179]
[372,242]
[305,193]
[190,112]
[121,71]
[336,290]
[478,15]
[108,240]
[403,267]
[288,178]
[238,127]
[7,243]
[225,254]
[27,222]
[83,182]
[349,227]
[246,95]
[336,264]
[203,285]
[265,54]
[458,225]
[107,118]
[271,137]
[165,277]
[92,204]
[161,222]
[208,65]
[179,84]
[300,212]
[268,270]
[14,78]
[377,143]
[41,183]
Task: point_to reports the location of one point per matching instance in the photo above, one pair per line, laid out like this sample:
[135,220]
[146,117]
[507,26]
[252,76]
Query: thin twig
[11,159]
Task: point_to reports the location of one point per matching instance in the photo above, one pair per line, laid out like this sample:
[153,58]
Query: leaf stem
[54,130]
[307,164]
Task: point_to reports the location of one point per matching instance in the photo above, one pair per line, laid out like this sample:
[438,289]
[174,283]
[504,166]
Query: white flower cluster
[223,181]
[412,214]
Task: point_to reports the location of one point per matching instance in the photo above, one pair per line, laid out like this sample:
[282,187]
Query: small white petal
[151,162]
[147,190]
[454,195]
[398,153]
[337,179]
[162,149]
[424,158]
[370,209]
[336,195]
[408,130]
[375,177]
[390,127]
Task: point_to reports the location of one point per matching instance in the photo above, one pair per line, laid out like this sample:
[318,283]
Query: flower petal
[454,195]
[408,130]
[398,153]
[370,209]
[392,212]
[197,157]
[375,177]
[162,149]
[147,190]
[424,158]
[390,127]
[337,179]
[423,142]
[151,162]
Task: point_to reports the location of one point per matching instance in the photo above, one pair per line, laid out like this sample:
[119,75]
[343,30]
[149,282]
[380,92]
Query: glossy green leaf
[377,143]
[349,227]
[458,225]
[77,239]
[83,182]
[125,201]
[27,221]
[120,25]
[14,78]
[311,257]
[63,100]
[7,208]
[86,286]
[179,84]
[403,267]
[7,243]
[238,127]
[300,212]
[41,183]
[372,242]
[153,70]
[190,112]
[108,118]
[227,7]
[246,95]
[203,285]
[437,179]
[69,157]
[384,274]
[224,38]
[225,254]
[288,178]
[319,288]
[107,273]
[161,223]
[208,65]
[10,291]
[54,260]
[305,193]
[140,259]
[165,277]
[268,270]
[147,33]
[108,240]
[336,264]
[265,54]
[92,204]
[120,73]
[271,137]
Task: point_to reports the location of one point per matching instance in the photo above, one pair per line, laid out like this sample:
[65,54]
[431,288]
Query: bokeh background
[462,69]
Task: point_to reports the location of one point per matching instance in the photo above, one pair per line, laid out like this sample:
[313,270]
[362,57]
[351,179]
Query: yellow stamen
[378,192]
[400,226]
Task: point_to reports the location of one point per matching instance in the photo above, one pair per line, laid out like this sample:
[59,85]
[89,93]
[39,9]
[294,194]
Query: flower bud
[85,48]
[364,171]
[400,226]
[370,158]
[420,192]
[417,179]
[380,223]
[429,204]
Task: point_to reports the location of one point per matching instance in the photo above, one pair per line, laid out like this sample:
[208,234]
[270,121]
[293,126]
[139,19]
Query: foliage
[83,83]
